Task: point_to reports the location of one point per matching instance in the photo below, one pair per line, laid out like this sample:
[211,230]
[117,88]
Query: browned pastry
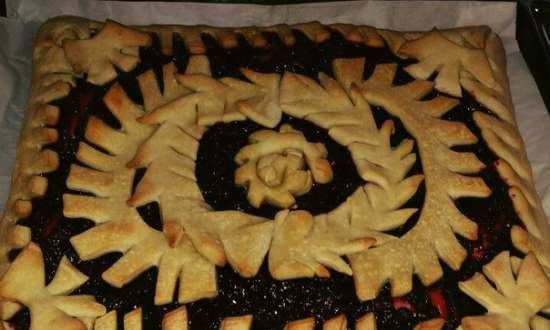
[272,166]
[51,305]
[137,152]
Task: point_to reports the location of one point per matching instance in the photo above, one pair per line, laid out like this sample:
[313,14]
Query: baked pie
[287,177]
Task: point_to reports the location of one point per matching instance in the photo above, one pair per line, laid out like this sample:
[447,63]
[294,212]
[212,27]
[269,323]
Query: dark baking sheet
[533,35]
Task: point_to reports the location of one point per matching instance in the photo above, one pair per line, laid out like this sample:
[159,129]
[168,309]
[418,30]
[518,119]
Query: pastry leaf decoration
[513,167]
[301,96]
[264,107]
[273,166]
[172,89]
[119,227]
[114,46]
[527,242]
[515,297]
[229,99]
[429,50]
[433,237]
[51,306]
[304,246]
[352,125]
[370,147]
[194,239]
[169,156]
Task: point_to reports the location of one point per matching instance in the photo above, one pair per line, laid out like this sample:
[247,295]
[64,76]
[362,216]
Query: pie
[287,177]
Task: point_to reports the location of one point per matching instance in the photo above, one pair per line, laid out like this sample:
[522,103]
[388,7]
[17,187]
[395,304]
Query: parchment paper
[25,16]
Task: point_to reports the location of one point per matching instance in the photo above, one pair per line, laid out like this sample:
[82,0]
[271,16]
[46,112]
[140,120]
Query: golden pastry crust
[50,305]
[303,245]
[520,294]
[196,239]
[444,179]
[114,45]
[119,226]
[272,167]
[428,49]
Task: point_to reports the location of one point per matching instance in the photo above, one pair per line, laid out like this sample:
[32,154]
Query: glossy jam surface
[273,303]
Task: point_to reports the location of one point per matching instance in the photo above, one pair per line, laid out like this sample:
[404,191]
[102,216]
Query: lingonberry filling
[273,303]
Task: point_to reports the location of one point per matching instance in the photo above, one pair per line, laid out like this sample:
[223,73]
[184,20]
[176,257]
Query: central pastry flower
[279,166]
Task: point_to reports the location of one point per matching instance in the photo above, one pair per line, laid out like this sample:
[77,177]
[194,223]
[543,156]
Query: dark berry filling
[216,170]
[271,302]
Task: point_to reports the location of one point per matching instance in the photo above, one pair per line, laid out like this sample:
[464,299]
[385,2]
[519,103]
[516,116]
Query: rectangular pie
[286,177]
